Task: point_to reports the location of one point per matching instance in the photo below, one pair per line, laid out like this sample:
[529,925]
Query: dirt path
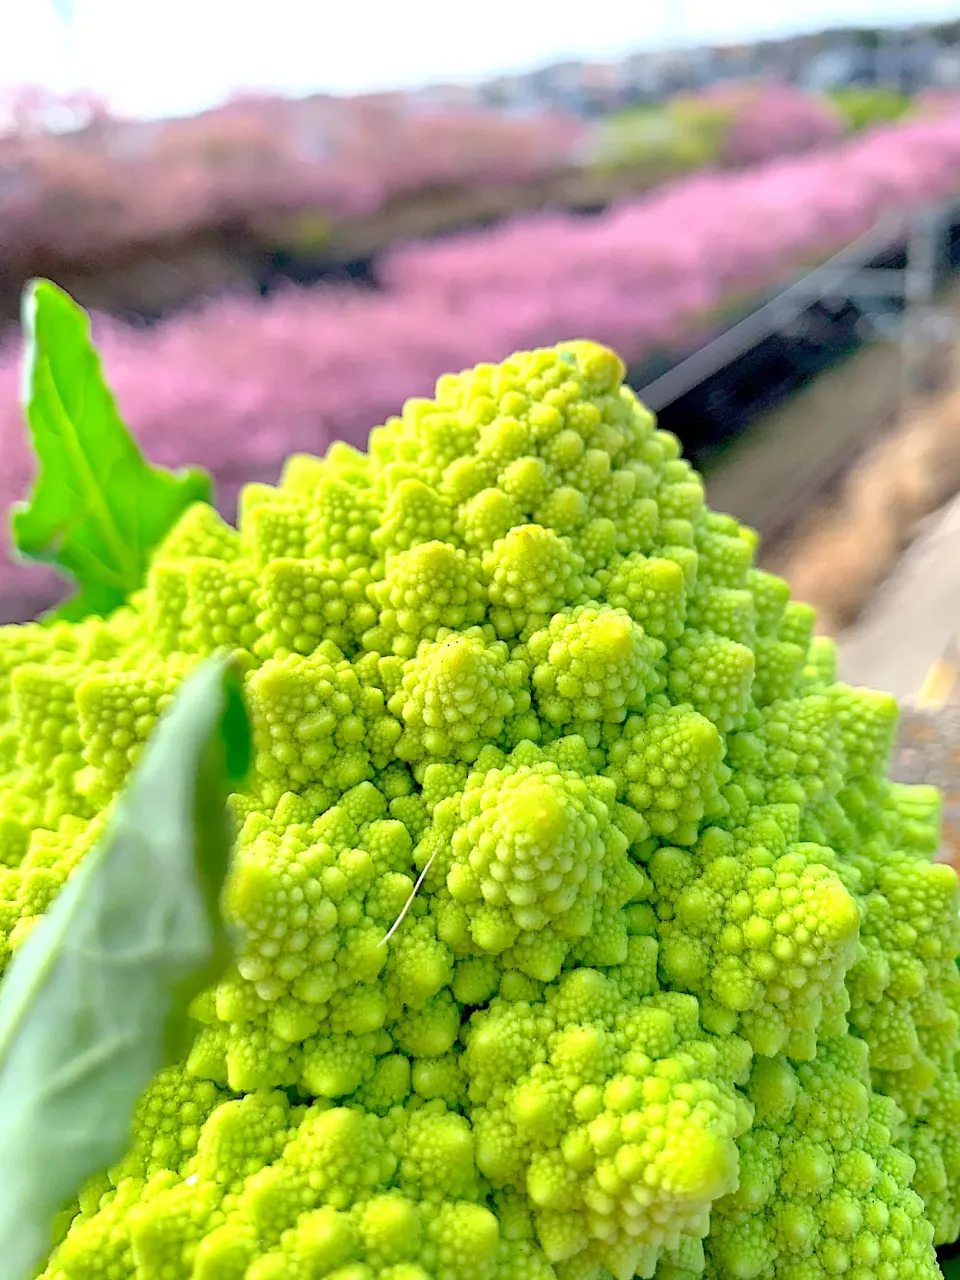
[768,474]
[836,487]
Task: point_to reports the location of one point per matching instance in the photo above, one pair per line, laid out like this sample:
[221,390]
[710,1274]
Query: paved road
[915,615]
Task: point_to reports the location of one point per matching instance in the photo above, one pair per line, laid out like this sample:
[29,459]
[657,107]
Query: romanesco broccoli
[580,933]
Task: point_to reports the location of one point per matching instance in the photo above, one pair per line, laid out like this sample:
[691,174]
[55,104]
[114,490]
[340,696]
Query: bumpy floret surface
[580,934]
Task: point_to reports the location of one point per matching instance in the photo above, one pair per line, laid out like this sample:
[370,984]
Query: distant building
[641,80]
[514,93]
[945,69]
[834,69]
[561,86]
[444,97]
[908,59]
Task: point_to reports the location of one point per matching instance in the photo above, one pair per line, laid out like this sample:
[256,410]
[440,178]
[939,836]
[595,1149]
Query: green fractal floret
[431,586]
[668,766]
[459,693]
[592,666]
[531,572]
[761,932]
[607,1106]
[579,935]
[537,861]
[823,1191]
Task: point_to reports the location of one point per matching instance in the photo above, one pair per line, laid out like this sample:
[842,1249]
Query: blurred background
[288,220]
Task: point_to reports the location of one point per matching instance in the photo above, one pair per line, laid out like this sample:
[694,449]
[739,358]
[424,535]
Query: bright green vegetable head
[579,933]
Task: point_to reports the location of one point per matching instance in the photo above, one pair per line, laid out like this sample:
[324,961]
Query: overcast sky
[152,59]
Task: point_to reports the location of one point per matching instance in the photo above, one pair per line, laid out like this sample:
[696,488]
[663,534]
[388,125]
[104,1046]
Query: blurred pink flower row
[240,383]
[116,185]
[771,120]
[113,187]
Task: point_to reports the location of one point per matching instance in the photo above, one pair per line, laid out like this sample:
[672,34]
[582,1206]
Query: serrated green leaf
[98,507]
[95,1001]
[950,1265]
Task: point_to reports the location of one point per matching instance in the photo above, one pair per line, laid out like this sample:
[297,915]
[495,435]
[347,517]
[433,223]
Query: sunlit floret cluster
[580,935]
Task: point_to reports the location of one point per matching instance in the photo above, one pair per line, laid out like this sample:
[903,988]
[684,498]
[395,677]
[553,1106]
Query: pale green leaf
[95,1001]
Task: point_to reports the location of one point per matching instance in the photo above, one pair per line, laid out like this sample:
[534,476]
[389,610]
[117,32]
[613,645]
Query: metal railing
[845,276]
